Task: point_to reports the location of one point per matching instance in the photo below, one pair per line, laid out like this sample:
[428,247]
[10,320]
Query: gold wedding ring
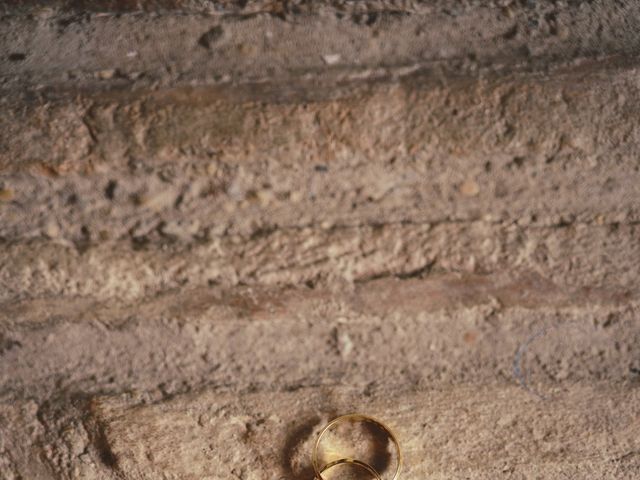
[351,461]
[355,417]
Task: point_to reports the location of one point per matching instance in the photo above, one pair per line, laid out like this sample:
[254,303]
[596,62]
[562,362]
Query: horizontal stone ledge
[423,118]
[319,257]
[481,433]
[200,200]
[382,296]
[281,40]
[428,332]
[186,165]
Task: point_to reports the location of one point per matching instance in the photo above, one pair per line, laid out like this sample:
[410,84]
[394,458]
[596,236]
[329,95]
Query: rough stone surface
[223,223]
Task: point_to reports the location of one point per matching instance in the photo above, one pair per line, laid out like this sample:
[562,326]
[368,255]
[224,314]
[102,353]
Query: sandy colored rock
[443,433]
[223,223]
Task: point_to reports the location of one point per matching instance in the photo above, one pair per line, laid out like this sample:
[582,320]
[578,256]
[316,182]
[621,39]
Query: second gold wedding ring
[357,463]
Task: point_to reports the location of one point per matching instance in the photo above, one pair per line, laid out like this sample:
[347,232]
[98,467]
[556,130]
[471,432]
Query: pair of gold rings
[354,417]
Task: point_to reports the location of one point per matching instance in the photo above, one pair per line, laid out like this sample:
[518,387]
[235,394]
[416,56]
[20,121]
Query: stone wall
[224,222]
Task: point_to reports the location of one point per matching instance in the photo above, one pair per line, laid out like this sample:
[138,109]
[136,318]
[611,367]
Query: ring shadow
[294,439]
[381,454]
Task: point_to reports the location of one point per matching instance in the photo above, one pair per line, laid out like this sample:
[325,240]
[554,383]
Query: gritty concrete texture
[450,338]
[274,39]
[223,223]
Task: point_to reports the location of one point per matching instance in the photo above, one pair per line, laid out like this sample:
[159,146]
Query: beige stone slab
[220,41]
[439,330]
[189,165]
[588,431]
[319,257]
